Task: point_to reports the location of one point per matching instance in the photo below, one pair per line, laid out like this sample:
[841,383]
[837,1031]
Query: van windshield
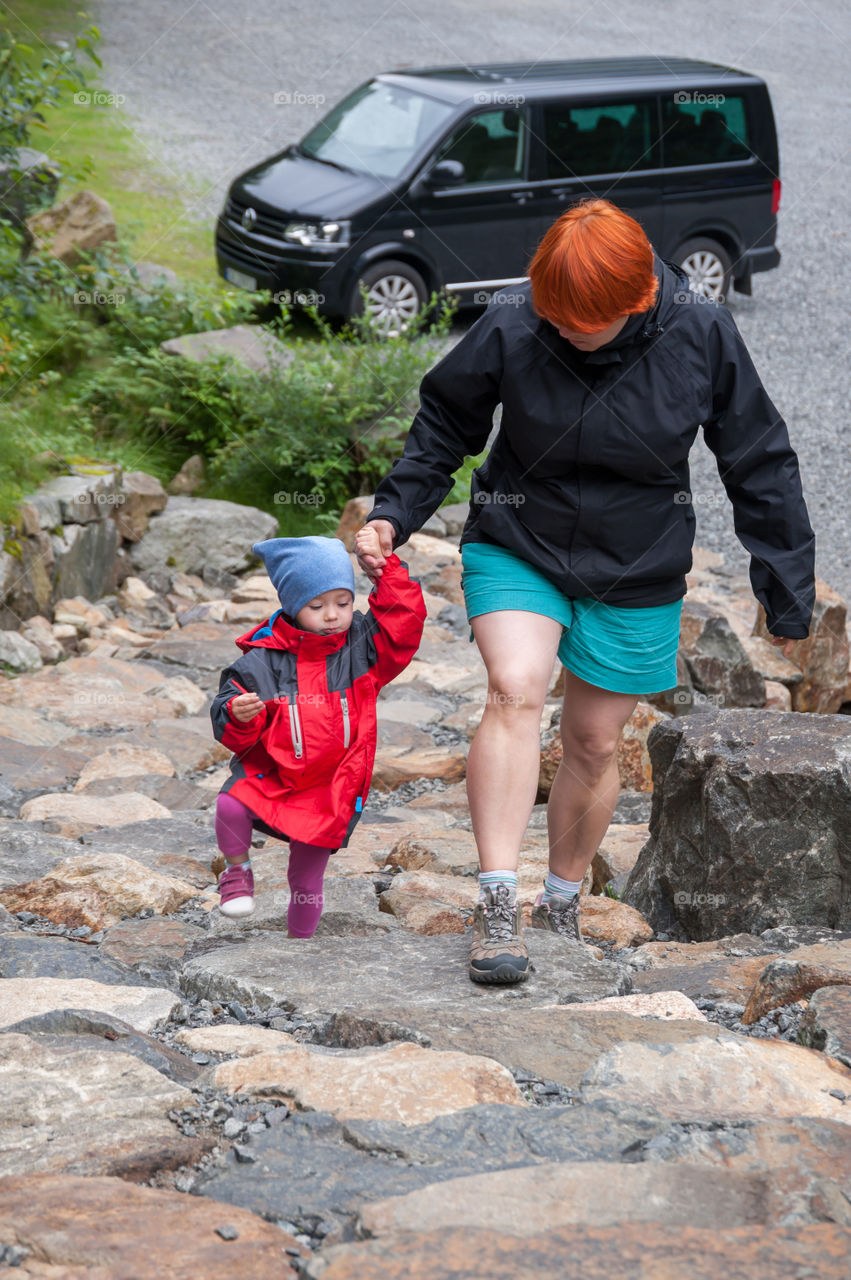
[378,129]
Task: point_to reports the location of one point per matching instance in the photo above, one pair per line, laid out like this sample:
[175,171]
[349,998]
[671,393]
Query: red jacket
[304,765]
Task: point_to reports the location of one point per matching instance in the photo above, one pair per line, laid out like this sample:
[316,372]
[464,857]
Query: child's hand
[368,549]
[246,707]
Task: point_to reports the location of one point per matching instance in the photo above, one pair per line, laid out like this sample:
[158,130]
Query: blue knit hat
[303,568]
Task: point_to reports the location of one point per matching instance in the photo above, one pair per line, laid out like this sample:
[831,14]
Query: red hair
[594,265]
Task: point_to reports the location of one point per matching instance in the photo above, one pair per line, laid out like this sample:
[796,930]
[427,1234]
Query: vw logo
[249,218]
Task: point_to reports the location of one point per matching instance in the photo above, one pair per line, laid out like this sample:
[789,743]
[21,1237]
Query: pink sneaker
[236,890]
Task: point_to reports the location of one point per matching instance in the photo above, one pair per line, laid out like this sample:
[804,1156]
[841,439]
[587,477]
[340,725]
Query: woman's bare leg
[586,786]
[519,652]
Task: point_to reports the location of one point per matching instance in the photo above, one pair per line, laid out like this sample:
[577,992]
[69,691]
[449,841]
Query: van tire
[398,291]
[708,267]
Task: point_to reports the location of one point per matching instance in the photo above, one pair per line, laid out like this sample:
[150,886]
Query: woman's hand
[246,706]
[373,543]
[788,645]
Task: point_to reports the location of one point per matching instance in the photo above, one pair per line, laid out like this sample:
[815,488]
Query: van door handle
[522,196]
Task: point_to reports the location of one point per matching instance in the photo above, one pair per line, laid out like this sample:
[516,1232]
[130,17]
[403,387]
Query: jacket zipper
[346,726]
[295,727]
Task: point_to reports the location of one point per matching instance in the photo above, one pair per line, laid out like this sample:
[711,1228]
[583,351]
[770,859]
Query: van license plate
[240,278]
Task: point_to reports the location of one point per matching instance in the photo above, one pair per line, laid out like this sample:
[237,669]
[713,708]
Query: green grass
[148,202]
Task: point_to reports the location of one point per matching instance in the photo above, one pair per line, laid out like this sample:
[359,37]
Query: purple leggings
[304,873]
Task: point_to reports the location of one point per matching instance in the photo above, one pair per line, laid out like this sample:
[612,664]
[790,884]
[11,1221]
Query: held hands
[246,707]
[373,543]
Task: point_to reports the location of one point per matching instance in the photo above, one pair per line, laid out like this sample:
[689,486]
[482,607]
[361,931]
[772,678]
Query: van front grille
[267,224]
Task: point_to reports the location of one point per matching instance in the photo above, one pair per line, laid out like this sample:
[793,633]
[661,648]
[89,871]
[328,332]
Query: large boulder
[749,824]
[194,534]
[84,221]
[717,662]
[142,496]
[823,657]
[250,344]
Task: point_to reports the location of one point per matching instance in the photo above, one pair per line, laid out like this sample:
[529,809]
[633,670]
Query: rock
[17,653]
[618,853]
[612,921]
[412,711]
[659,1004]
[28,955]
[194,534]
[398,1082]
[40,633]
[405,975]
[144,1008]
[826,1024]
[422,915]
[532,1201]
[620,1252]
[190,477]
[74,1029]
[124,761]
[152,947]
[143,497]
[350,909]
[26,579]
[97,889]
[202,646]
[72,814]
[351,519]
[733,1077]
[82,222]
[30,768]
[183,693]
[26,852]
[187,742]
[89,693]
[633,760]
[797,976]
[234,1041]
[394,767]
[750,811]
[76,499]
[447,890]
[84,559]
[252,345]
[74,1224]
[823,657]
[717,662]
[777,696]
[178,847]
[79,613]
[88,1112]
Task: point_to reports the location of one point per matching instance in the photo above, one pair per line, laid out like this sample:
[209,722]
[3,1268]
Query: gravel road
[199,78]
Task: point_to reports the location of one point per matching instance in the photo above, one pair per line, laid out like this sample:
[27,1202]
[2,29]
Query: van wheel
[708,268]
[396,293]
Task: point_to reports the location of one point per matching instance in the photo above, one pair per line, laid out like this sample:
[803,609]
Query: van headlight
[308,233]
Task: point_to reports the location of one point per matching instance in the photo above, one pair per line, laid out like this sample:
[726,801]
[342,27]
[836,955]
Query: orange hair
[594,265]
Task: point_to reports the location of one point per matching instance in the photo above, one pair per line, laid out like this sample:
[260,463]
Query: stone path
[352,1105]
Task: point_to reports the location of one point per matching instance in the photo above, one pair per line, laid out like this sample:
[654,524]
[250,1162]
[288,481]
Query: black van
[448,177]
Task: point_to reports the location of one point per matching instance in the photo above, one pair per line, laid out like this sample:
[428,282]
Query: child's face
[327,613]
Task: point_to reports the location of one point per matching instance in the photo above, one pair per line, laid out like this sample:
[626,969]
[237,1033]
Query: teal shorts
[622,650]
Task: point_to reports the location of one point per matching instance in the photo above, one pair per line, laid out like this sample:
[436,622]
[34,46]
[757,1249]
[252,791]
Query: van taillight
[775,197]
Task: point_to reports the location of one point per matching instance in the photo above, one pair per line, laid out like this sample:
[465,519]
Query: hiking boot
[236,890]
[559,915]
[498,952]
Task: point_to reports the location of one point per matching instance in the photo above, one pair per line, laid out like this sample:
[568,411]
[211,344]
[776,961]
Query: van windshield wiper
[335,164]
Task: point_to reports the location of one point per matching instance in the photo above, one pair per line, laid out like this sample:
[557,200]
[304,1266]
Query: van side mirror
[446,173]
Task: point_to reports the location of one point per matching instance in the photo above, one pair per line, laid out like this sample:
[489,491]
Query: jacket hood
[278,632]
[646,325]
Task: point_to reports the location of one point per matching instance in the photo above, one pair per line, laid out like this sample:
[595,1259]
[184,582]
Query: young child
[298,711]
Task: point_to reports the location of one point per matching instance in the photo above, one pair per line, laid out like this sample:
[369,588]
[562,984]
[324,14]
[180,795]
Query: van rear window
[703,128]
[606,138]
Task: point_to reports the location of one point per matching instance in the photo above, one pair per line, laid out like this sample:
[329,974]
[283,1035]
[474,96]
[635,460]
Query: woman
[580,529]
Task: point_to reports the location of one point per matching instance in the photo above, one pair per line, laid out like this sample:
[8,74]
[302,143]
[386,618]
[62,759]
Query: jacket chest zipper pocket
[347,731]
[295,726]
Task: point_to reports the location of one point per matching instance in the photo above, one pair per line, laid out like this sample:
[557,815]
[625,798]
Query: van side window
[703,128]
[607,138]
[491,146]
